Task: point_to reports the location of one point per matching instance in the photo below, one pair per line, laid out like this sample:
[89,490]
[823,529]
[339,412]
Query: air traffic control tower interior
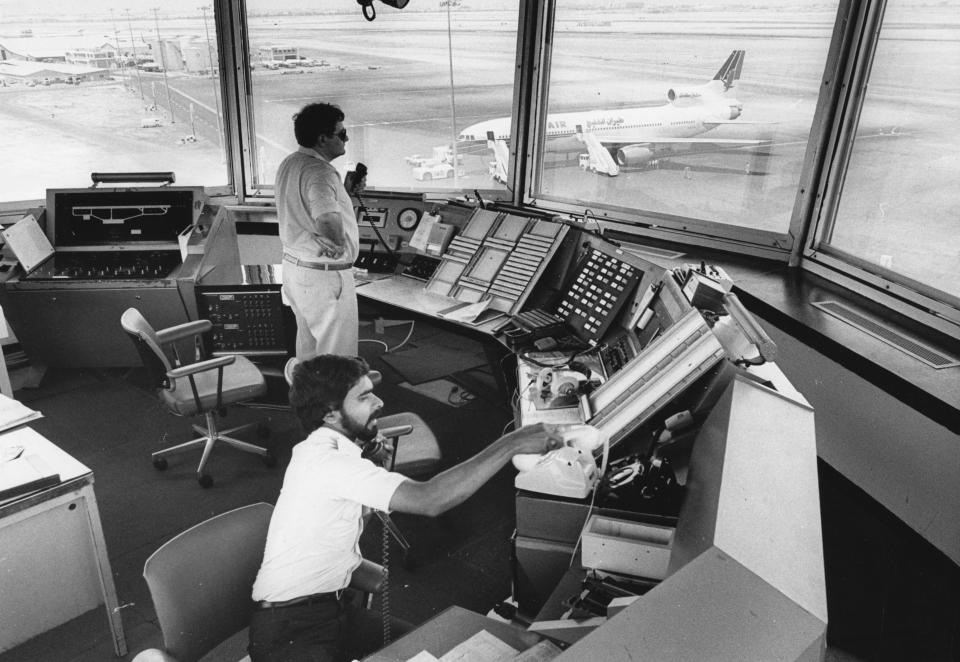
[717,242]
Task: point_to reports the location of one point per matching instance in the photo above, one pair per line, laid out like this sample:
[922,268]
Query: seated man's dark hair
[320,385]
[315,120]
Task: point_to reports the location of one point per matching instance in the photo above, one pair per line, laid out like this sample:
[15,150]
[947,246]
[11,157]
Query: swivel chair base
[210,437]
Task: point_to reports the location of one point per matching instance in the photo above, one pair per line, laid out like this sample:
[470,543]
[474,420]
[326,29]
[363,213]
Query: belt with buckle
[322,266]
[303,600]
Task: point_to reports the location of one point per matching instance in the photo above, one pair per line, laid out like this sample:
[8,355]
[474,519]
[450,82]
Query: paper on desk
[423,656]
[465,312]
[14,413]
[543,651]
[481,647]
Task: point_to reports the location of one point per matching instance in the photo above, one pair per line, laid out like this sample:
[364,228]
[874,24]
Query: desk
[409,296]
[54,565]
[447,629]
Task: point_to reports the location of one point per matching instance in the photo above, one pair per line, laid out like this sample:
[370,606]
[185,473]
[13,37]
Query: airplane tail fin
[730,71]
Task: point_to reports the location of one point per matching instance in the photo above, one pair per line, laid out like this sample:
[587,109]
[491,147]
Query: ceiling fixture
[370,13]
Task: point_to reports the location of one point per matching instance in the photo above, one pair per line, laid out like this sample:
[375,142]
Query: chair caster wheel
[269,459]
[160,463]
[205,480]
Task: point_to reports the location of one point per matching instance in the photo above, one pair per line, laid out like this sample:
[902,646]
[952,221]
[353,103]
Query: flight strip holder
[527,326]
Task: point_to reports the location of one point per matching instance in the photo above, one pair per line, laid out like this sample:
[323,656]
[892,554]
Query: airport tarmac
[396,93]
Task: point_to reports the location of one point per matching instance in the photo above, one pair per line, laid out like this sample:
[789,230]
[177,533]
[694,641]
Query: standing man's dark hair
[315,120]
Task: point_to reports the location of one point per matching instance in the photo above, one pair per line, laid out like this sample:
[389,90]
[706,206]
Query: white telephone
[569,471]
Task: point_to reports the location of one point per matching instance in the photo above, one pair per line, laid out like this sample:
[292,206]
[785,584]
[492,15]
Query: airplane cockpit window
[409,84]
[700,112]
[95,87]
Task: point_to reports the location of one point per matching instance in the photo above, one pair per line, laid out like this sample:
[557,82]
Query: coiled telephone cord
[385,592]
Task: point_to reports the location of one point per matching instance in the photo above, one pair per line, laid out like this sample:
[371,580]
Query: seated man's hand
[537,438]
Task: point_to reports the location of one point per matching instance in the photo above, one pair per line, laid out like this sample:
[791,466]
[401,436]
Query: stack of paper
[21,474]
[14,413]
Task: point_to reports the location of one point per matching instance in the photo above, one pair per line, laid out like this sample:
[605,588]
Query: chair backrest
[148,347]
[201,580]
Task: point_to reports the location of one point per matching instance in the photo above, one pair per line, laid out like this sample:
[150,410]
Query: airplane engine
[675,93]
[634,155]
[735,110]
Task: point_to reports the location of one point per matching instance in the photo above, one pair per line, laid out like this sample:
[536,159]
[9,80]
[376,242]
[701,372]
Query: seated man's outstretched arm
[452,487]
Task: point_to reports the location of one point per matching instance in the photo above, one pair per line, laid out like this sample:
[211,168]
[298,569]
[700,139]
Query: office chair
[203,387]
[419,454]
[201,582]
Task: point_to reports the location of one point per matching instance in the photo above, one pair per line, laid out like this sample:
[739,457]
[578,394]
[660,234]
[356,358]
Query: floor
[110,421]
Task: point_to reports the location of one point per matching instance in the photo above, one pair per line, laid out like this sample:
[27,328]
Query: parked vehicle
[437,171]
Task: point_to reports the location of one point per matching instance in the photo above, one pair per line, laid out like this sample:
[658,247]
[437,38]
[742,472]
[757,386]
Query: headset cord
[385,592]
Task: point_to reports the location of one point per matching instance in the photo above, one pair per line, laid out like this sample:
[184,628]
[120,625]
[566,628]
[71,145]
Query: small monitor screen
[93,217]
[511,228]
[488,264]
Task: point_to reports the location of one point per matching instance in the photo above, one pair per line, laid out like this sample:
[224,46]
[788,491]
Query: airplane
[632,137]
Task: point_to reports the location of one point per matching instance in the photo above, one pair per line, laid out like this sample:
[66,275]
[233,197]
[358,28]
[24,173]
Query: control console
[247,321]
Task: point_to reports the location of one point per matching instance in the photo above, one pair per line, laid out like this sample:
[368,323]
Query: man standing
[320,237]
[312,544]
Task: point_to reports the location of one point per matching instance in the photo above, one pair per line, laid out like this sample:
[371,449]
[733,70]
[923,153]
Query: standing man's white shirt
[324,302]
[313,544]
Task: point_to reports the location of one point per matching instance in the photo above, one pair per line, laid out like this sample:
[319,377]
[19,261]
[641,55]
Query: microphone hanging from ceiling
[369,13]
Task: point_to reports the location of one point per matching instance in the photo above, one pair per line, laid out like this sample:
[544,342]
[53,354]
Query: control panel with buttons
[247,321]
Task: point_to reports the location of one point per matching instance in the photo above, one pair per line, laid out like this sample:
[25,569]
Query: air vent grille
[654,252]
[880,331]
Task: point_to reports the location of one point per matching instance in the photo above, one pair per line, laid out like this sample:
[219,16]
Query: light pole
[163,63]
[453,102]
[116,56]
[216,96]
[133,48]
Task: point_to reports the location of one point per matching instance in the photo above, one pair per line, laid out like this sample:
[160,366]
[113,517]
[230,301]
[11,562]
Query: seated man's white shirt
[313,543]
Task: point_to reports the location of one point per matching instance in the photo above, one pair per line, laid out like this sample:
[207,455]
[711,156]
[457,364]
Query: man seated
[312,544]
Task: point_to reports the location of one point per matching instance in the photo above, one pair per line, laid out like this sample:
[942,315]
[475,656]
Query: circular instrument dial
[408,218]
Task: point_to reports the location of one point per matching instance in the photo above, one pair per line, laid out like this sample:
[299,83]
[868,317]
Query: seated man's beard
[362,431]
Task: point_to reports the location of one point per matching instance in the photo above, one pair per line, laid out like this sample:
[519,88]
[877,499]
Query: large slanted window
[892,205]
[408,82]
[693,118]
[93,89]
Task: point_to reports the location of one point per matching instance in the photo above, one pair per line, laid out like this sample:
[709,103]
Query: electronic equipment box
[251,320]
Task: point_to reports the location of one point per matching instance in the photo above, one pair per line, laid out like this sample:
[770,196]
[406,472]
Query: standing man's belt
[322,266]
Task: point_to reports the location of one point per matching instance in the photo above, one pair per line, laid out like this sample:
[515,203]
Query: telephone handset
[569,471]
[354,179]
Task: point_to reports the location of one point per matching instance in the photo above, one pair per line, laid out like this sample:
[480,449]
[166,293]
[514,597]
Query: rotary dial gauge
[408,218]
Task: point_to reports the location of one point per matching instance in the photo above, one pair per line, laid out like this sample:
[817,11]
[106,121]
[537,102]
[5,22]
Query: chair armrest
[184,330]
[153,655]
[201,366]
[368,577]
[396,431]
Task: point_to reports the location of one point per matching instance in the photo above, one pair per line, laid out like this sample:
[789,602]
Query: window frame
[778,246]
[857,47]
